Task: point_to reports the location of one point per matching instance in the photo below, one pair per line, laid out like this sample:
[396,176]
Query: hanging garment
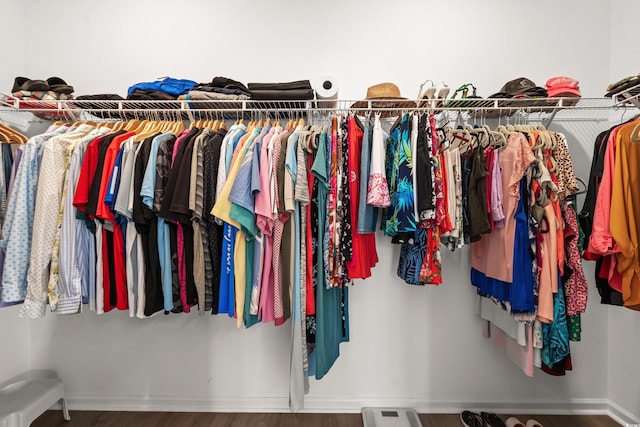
[16,232]
[401,220]
[624,214]
[514,159]
[48,199]
[364,255]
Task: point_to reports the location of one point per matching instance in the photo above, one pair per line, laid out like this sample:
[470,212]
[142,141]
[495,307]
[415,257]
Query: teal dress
[332,320]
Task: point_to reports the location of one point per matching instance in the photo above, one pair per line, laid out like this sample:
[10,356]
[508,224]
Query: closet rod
[481,106]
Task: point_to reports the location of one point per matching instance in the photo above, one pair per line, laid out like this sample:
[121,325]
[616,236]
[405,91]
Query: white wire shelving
[543,110]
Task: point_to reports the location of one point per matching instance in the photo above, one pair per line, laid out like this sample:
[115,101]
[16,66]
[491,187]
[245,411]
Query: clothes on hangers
[266,223]
[537,274]
[608,216]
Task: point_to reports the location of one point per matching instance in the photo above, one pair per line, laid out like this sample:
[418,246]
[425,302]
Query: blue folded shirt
[175,87]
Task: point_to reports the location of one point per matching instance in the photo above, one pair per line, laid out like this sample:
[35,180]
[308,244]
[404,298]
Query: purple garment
[17,156]
[497,210]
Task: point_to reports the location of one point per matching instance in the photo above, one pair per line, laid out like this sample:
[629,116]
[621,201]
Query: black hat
[521,87]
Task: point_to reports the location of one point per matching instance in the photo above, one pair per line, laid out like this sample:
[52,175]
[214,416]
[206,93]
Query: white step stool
[25,397]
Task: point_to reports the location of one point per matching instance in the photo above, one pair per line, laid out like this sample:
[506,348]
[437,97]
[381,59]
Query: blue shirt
[291,165]
[17,227]
[241,196]
[149,180]
[170,85]
[114,181]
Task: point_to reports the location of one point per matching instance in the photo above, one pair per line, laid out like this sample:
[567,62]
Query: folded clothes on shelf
[224,85]
[169,85]
[288,91]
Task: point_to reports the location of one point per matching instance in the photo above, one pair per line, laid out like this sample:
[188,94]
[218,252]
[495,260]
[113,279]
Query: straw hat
[384,95]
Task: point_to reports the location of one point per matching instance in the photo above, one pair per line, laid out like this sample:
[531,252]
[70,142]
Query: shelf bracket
[547,121]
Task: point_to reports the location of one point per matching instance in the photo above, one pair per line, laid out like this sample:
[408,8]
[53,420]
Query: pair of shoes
[433,92]
[514,422]
[483,419]
[24,83]
[53,84]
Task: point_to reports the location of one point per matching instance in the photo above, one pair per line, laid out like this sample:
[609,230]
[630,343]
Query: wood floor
[189,419]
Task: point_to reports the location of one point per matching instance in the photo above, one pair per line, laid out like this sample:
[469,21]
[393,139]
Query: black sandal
[492,420]
[471,419]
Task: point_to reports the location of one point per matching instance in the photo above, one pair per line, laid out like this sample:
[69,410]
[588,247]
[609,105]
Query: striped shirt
[77,246]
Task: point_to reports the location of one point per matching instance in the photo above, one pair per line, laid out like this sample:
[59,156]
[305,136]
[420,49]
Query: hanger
[144,130]
[443,140]
[481,134]
[461,138]
[550,140]
[635,133]
[584,187]
[499,139]
[504,131]
[12,136]
[118,126]
[131,124]
[6,136]
[446,137]
[178,127]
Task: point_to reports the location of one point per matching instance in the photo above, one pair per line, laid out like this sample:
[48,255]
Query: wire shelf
[630,95]
[541,109]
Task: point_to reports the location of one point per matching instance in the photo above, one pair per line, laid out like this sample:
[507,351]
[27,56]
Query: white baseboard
[340,405]
[621,415]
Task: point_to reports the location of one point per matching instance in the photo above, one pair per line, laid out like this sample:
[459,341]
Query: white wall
[14,43]
[16,343]
[409,345]
[114,44]
[14,332]
[623,324]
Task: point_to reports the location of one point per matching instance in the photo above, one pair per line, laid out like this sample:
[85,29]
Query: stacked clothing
[165,89]
[290,91]
[521,87]
[219,89]
[103,101]
[623,85]
[52,89]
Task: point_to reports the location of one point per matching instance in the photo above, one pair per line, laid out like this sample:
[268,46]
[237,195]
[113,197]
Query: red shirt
[364,255]
[88,170]
[112,257]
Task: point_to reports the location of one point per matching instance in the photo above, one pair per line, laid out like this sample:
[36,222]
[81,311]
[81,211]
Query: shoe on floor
[533,423]
[491,419]
[514,422]
[471,419]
